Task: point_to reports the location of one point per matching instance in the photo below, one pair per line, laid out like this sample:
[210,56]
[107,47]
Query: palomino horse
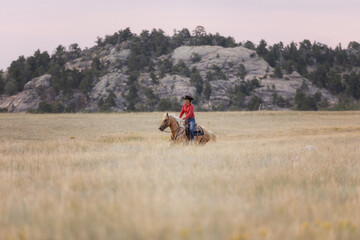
[178,134]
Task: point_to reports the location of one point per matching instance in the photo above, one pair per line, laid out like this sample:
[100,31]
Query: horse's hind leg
[202,142]
[205,139]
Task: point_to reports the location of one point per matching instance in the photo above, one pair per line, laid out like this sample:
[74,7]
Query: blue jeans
[192,124]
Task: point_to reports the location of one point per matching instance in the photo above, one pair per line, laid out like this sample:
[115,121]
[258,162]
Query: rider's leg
[192,124]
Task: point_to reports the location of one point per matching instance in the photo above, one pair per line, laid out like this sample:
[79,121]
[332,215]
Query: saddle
[198,131]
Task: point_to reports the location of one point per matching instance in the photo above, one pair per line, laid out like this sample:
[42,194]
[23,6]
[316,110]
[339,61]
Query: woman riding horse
[188,109]
[178,134]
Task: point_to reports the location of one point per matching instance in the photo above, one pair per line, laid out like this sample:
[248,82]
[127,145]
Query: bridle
[165,123]
[178,133]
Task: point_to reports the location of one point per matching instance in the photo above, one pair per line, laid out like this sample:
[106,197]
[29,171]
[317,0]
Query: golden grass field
[270,175]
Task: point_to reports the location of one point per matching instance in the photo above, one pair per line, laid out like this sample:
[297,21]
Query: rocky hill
[120,77]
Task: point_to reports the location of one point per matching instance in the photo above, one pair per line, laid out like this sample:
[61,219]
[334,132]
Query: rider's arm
[182,111]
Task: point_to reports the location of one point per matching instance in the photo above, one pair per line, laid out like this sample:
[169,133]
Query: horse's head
[165,122]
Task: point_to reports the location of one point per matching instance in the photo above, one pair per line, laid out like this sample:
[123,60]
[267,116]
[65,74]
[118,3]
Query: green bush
[278,72]
[280,101]
[241,71]
[196,80]
[195,57]
[169,104]
[59,108]
[132,97]
[215,74]
[164,105]
[154,79]
[70,109]
[105,106]
[303,102]
[151,100]
[2,83]
[237,98]
[11,88]
[207,90]
[45,107]
[180,69]
[254,103]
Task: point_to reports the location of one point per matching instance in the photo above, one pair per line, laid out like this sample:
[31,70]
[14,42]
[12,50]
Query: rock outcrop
[174,86]
[34,92]
[228,59]
[286,87]
[112,82]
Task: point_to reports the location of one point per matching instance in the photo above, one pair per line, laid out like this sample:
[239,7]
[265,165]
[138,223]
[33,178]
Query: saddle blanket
[198,131]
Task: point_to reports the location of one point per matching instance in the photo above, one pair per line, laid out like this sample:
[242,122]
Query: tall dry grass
[270,175]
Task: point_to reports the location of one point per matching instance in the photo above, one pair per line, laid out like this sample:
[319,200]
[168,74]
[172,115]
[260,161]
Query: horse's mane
[179,120]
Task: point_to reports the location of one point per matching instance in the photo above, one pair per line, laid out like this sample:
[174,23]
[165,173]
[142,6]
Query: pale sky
[28,25]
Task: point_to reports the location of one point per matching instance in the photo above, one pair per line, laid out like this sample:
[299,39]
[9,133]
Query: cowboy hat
[188,97]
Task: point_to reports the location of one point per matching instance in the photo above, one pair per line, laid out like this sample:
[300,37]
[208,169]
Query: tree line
[335,69]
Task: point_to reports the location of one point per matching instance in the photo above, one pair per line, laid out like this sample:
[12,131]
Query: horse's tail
[212,136]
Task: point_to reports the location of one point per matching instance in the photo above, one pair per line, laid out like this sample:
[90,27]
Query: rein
[178,132]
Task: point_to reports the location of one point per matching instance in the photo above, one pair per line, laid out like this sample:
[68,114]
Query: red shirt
[188,110]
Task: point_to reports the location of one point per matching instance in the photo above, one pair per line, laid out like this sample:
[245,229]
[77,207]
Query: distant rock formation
[30,97]
[235,65]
